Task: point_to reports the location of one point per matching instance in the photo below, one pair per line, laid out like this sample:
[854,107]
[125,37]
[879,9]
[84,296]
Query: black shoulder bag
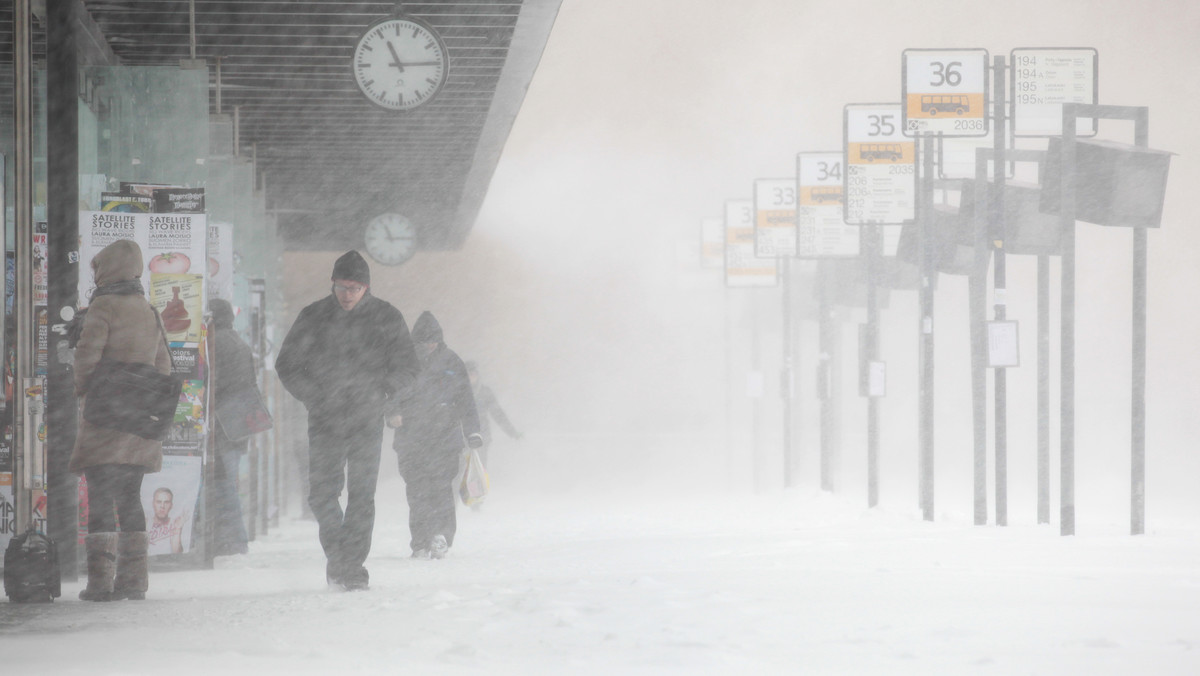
[134,398]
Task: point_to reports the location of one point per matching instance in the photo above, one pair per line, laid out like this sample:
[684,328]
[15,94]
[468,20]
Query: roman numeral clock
[400,62]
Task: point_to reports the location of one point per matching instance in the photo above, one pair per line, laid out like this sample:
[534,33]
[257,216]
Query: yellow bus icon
[880,151]
[945,103]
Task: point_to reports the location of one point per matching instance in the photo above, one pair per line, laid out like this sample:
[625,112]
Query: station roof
[329,159]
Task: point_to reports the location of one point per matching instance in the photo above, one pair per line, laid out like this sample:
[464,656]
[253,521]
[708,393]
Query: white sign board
[1003,344]
[820,229]
[712,243]
[1045,78]
[742,267]
[876,379]
[775,217]
[880,168]
[945,91]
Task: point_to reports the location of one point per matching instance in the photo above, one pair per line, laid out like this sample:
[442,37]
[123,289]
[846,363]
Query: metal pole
[786,376]
[977,285]
[1138,422]
[62,241]
[729,455]
[756,401]
[1067,328]
[825,386]
[1043,393]
[1000,290]
[872,354]
[925,332]
[23,293]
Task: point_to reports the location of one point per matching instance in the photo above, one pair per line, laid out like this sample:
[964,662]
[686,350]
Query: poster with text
[8,509]
[169,498]
[220,260]
[98,229]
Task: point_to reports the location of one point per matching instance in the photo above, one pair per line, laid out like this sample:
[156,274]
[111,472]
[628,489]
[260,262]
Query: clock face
[400,63]
[391,239]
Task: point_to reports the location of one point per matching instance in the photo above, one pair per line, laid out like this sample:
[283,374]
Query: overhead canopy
[328,158]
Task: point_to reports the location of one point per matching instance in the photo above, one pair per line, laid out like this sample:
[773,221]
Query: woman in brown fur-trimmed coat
[119,325]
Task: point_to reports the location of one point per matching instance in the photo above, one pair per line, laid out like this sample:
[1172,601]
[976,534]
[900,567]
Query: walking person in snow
[349,359]
[430,439]
[488,407]
[121,326]
[233,372]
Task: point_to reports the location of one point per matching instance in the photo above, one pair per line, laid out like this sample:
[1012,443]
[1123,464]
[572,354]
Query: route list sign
[775,217]
[742,267]
[820,229]
[1044,79]
[880,177]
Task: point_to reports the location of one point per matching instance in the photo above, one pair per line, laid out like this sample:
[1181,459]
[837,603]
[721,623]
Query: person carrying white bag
[429,438]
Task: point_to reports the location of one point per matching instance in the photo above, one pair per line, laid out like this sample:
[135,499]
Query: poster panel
[775,217]
[98,229]
[879,166]
[8,510]
[820,228]
[169,498]
[742,268]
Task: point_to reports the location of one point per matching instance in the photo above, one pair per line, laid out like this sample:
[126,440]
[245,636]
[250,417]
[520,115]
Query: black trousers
[344,452]
[431,510]
[228,524]
[115,492]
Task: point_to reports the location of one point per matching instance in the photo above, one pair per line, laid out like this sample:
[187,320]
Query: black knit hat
[427,329]
[222,313]
[351,266]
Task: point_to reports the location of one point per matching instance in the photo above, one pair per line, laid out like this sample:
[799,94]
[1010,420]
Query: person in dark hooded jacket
[349,359]
[233,372]
[430,439]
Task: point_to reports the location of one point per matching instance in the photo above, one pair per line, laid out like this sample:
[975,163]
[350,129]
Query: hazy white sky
[646,115]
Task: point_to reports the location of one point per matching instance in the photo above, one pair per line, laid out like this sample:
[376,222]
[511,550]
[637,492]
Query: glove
[475,441]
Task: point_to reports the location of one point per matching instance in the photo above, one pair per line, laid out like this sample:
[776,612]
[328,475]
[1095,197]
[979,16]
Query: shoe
[357,580]
[420,554]
[333,577]
[438,547]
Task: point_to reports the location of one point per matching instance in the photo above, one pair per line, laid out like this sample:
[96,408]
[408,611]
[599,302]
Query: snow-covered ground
[622,581]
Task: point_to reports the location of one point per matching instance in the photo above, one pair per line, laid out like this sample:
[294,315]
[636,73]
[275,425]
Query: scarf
[125,287]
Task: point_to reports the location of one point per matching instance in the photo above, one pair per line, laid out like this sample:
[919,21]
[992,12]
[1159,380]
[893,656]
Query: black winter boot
[101,560]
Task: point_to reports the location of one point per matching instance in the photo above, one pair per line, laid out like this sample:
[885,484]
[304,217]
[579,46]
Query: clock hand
[395,58]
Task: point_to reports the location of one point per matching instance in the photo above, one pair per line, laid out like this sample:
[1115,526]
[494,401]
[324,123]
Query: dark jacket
[356,364]
[437,419]
[233,371]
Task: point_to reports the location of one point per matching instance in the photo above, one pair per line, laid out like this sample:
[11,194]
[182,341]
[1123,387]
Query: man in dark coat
[349,359]
[430,439]
[233,373]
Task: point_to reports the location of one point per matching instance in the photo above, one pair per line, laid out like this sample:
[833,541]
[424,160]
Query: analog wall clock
[400,63]
[391,239]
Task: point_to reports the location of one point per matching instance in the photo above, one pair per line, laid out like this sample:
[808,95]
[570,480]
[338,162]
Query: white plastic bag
[474,486]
